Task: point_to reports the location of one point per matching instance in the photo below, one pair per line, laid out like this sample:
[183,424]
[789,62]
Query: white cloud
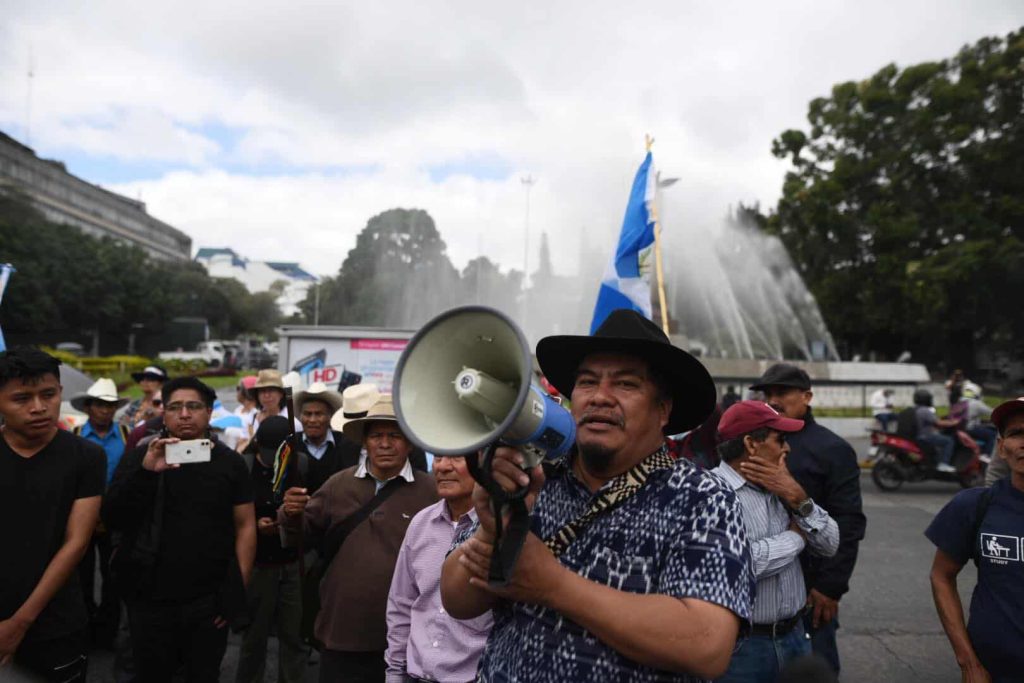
[564,91]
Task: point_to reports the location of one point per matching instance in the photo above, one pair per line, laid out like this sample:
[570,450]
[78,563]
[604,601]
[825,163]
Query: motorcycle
[899,459]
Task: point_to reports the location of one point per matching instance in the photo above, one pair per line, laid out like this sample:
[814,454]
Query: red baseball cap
[1004,410]
[744,417]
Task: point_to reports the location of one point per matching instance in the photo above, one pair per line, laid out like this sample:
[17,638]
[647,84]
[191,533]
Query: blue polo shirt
[112,444]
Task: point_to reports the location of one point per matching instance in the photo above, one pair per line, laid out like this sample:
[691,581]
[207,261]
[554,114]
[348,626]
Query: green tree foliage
[905,205]
[399,275]
[69,284]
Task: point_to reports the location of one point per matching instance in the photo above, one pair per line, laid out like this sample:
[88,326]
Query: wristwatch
[804,508]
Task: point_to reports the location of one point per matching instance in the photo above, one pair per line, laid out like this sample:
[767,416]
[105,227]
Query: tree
[70,285]
[484,283]
[904,209]
[397,275]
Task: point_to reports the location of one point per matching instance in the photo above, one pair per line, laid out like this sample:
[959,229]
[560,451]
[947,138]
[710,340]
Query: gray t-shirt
[926,419]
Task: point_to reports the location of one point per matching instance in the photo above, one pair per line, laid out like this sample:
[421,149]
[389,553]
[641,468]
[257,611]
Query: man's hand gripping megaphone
[535,567]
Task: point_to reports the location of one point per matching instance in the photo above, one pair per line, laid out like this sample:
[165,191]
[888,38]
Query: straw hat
[102,389]
[267,379]
[381,411]
[318,391]
[356,400]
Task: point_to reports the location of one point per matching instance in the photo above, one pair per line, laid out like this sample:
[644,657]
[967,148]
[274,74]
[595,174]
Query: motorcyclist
[928,430]
[983,432]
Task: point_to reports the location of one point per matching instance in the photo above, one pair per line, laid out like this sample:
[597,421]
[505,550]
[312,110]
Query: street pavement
[889,628]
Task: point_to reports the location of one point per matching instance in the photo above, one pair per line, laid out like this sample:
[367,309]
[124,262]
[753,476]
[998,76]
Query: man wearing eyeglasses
[354,590]
[189,539]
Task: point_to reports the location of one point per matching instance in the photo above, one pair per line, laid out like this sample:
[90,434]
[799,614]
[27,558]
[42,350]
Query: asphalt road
[889,629]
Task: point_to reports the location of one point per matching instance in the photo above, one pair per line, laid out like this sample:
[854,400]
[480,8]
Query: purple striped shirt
[423,640]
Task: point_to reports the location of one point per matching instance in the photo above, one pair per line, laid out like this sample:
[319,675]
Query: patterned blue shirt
[681,535]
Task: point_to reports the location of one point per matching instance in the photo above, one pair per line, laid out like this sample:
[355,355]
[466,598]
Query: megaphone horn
[465,383]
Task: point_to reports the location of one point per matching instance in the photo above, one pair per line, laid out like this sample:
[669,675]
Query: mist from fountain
[734,292]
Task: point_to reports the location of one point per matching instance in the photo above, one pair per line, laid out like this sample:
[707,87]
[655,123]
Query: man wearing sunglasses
[189,542]
[781,520]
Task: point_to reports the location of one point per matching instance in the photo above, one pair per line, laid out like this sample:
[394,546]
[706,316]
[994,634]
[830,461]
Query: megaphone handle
[507,546]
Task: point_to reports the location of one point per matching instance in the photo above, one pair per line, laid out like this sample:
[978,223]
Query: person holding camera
[188,541]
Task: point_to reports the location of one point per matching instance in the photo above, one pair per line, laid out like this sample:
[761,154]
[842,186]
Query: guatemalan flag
[627,280]
[5,274]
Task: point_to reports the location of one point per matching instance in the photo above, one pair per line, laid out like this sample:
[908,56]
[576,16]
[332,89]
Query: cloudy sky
[279,128]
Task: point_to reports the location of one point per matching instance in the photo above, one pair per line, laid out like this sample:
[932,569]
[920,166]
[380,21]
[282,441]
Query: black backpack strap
[77,430]
[336,535]
[980,510]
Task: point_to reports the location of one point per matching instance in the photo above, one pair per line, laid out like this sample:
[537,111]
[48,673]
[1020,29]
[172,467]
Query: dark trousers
[351,667]
[886,419]
[275,597]
[104,616]
[823,640]
[987,435]
[61,660]
[166,635]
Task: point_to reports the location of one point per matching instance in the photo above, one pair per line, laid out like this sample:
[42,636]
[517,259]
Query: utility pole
[528,182]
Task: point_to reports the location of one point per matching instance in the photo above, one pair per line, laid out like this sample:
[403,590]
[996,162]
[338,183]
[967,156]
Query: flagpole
[659,269]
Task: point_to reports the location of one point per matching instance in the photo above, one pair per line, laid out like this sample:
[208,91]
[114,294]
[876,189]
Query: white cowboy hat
[102,389]
[356,401]
[318,391]
[294,381]
[381,411]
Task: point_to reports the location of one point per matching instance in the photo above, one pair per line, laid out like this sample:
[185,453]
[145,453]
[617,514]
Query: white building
[258,276]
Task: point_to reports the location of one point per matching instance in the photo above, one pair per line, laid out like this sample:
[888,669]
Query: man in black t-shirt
[189,542]
[50,488]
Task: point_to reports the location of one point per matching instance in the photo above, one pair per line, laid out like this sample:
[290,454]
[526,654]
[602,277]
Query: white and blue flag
[627,280]
[5,274]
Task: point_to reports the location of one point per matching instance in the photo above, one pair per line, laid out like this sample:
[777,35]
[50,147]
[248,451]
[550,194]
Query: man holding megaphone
[636,566]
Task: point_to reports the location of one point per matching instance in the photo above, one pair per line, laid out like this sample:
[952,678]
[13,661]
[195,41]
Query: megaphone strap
[619,490]
[507,542]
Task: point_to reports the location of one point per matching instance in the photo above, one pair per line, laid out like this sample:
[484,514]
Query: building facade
[259,276]
[65,198]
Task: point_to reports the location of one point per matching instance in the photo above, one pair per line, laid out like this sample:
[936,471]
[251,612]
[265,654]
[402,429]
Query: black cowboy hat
[626,331]
[151,372]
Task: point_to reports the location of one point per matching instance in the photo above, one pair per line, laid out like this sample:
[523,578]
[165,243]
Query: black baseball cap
[271,434]
[783,375]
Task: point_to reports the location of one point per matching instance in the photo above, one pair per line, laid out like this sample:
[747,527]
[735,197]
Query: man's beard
[597,459]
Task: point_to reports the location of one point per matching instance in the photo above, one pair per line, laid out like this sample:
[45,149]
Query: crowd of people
[316,521]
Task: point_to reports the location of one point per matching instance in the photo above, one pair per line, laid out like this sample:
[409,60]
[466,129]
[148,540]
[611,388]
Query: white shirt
[363,472]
